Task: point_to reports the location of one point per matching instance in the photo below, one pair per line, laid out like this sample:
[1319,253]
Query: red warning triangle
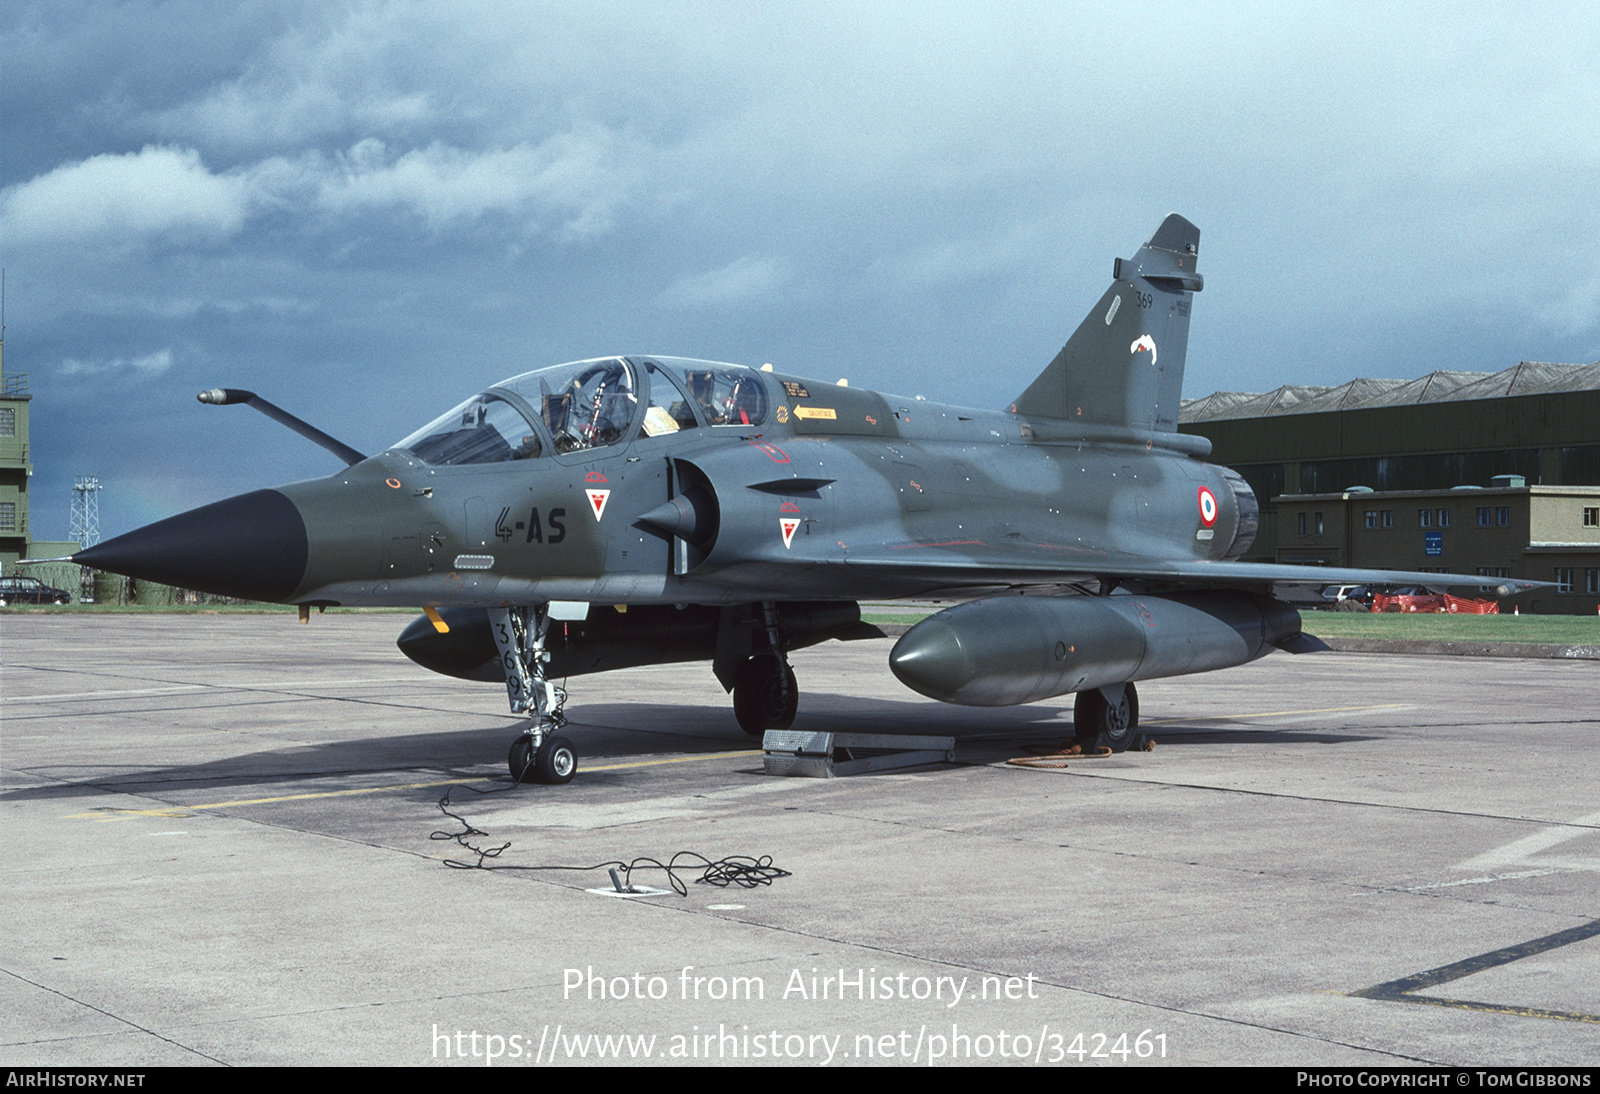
[597,502]
[788,524]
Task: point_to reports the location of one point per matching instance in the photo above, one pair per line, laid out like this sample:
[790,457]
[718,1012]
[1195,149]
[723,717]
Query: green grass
[894,617]
[1560,630]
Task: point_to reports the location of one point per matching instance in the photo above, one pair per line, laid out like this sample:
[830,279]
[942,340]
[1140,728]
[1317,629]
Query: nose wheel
[554,761]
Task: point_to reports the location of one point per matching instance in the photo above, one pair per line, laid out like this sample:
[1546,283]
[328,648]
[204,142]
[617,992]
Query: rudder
[1123,366]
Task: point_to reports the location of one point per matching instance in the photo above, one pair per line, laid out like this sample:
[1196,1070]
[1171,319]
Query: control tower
[16,466]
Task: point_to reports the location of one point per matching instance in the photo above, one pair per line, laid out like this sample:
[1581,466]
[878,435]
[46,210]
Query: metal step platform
[826,755]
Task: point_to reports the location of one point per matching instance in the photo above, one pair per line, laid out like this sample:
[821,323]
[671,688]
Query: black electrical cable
[742,870]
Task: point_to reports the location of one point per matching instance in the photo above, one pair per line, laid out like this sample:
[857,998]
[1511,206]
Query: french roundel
[1208,507]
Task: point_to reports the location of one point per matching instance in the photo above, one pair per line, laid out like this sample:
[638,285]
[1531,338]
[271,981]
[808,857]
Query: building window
[8,516]
[1502,515]
[1319,523]
[1302,524]
[1424,518]
[1372,518]
[1388,518]
[1591,516]
[1591,580]
[1483,516]
[8,421]
[1563,579]
[1444,518]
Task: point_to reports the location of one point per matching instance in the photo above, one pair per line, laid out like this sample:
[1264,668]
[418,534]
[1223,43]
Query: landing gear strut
[1107,718]
[540,754]
[765,694]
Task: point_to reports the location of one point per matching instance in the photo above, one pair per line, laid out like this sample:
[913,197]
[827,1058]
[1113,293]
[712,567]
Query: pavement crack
[114,1017]
[1476,814]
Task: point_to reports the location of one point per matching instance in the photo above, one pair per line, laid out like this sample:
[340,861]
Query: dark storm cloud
[367,211]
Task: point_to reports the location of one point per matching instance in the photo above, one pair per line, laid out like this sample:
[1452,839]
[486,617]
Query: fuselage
[790,490]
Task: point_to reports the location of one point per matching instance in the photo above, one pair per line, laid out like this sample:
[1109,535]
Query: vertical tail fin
[1123,366]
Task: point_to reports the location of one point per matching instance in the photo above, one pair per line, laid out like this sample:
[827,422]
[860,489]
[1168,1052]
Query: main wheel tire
[761,701]
[1098,723]
[520,760]
[556,762]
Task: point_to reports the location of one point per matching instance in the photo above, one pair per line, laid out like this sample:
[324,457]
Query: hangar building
[1374,451]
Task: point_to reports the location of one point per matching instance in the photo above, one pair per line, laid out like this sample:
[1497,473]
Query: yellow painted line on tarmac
[1274,714]
[181,810]
[677,760]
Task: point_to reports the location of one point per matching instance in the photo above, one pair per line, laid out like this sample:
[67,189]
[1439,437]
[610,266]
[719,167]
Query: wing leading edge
[954,571]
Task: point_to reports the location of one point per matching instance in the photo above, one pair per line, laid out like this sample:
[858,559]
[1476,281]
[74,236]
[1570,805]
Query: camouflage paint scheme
[738,534]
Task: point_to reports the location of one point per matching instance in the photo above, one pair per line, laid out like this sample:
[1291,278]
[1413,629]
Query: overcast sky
[367,211]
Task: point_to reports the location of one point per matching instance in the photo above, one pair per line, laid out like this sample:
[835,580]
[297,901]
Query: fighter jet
[638,510]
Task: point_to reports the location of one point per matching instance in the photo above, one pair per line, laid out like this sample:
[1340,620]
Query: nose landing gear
[540,754]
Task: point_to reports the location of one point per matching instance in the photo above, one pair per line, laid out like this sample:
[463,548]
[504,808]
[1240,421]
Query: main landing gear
[765,694]
[1107,718]
[541,754]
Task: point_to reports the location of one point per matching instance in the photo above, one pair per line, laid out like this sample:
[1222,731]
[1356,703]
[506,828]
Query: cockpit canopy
[484,429]
[584,405]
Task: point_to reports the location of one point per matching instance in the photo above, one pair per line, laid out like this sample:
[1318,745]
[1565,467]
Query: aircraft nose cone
[929,658]
[252,546]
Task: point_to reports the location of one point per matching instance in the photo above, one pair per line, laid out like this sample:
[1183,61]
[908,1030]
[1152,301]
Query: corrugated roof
[1441,386]
[1345,396]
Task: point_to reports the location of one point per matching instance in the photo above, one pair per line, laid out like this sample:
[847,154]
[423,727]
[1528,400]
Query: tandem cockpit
[585,405]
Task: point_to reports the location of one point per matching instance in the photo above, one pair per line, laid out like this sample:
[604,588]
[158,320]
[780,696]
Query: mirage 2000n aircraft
[643,510]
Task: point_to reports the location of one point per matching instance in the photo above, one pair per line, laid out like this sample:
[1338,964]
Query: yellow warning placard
[815,412]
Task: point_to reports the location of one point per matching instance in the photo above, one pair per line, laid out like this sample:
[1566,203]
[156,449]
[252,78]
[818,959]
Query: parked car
[1347,598]
[30,590]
